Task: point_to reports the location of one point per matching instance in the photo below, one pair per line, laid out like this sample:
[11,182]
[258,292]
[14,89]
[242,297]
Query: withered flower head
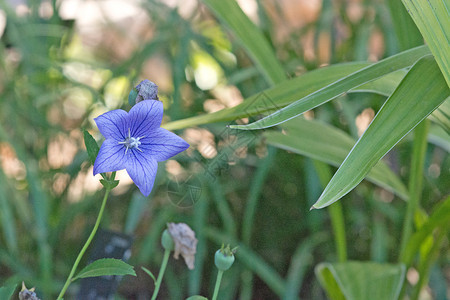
[185,242]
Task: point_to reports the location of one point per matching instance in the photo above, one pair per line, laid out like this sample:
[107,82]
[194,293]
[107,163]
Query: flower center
[131,142]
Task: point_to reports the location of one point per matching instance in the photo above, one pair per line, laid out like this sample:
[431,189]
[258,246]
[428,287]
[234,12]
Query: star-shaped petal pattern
[135,142]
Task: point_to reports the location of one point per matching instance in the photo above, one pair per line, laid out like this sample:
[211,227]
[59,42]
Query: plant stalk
[415,183]
[86,245]
[217,286]
[161,273]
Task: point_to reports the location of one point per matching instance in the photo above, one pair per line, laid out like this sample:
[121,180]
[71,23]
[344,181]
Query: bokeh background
[62,63]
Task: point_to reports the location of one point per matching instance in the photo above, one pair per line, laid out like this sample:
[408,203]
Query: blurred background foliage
[62,63]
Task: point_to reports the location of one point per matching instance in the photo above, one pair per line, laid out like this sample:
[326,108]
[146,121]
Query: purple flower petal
[113,124]
[111,157]
[162,144]
[142,170]
[145,116]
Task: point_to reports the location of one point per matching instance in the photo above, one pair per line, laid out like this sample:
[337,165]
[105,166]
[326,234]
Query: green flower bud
[132,96]
[224,258]
[167,241]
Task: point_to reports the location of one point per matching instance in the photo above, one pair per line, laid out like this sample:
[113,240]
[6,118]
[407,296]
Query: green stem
[337,222]
[161,273]
[415,183]
[86,245]
[217,286]
[426,263]
[335,211]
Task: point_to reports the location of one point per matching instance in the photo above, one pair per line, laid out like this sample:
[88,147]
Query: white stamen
[131,142]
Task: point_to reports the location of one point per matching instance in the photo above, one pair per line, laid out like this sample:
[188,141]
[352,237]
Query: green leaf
[251,38]
[197,297]
[7,291]
[441,116]
[149,273]
[91,146]
[384,86]
[432,17]
[274,98]
[106,266]
[439,218]
[422,90]
[341,86]
[361,280]
[331,145]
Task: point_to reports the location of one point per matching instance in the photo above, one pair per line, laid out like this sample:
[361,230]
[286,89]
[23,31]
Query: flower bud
[167,241]
[224,258]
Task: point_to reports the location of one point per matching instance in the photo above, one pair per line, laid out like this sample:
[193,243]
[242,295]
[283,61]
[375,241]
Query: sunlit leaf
[250,37]
[433,20]
[341,86]
[422,90]
[274,98]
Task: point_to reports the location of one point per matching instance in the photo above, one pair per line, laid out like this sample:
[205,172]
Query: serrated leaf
[106,266]
[331,145]
[361,280]
[341,86]
[7,291]
[91,146]
[422,90]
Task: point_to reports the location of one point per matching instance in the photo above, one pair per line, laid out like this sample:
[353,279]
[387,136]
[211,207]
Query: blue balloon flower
[135,142]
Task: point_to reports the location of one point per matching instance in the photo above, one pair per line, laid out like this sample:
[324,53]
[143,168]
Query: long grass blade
[328,144]
[422,90]
[251,37]
[341,86]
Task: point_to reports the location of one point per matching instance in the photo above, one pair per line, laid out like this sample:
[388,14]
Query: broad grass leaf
[331,145]
[361,280]
[433,20]
[275,98]
[422,90]
[341,86]
[7,291]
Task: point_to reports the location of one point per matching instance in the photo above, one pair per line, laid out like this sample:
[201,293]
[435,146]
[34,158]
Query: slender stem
[217,286]
[337,222]
[426,263]
[335,211]
[415,183]
[161,273]
[86,245]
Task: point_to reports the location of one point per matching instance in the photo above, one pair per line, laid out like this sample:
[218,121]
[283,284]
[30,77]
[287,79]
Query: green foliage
[361,280]
[105,267]
[91,146]
[6,292]
[399,115]
[252,188]
[307,137]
